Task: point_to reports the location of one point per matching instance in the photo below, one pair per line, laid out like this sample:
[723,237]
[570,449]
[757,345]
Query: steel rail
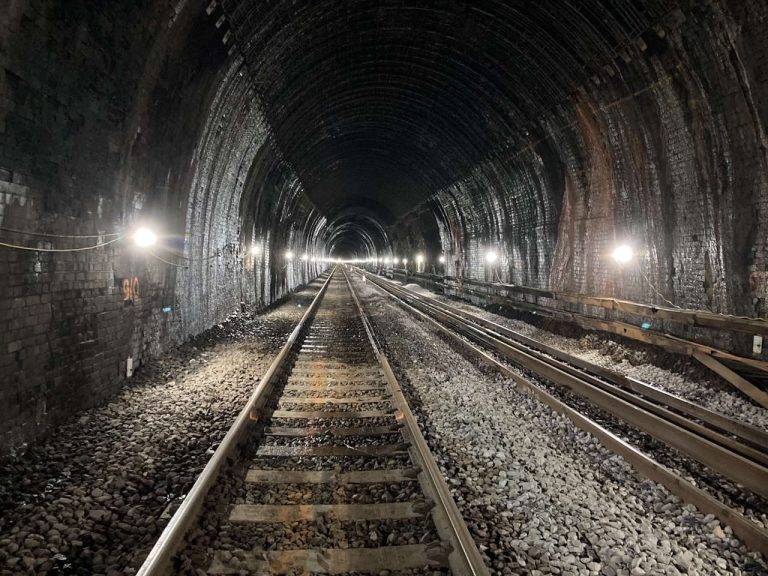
[745,432]
[751,441]
[158,562]
[465,558]
[750,533]
[707,447]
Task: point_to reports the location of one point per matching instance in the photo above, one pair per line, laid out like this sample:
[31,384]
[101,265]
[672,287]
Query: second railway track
[736,451]
[326,468]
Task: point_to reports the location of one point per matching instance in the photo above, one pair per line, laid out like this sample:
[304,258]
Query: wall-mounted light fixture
[623,253]
[144,237]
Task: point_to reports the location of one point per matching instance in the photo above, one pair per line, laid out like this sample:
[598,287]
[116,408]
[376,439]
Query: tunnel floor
[90,500]
[539,495]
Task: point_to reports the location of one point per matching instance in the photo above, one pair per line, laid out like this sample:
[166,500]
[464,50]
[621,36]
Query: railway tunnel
[179,179]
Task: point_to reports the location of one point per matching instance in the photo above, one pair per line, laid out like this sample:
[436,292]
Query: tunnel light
[441,259]
[289,255]
[419,258]
[405,261]
[491,256]
[304,257]
[254,250]
[387,261]
[144,237]
[622,254]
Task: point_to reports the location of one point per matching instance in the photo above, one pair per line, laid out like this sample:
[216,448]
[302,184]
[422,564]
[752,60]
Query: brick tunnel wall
[114,114]
[665,150]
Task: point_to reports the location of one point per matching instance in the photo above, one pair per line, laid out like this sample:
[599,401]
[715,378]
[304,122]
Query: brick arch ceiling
[388,101]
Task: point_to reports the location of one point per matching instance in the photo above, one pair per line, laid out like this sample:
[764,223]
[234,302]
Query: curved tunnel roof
[379,105]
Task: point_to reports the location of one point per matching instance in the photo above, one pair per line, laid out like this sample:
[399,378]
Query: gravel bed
[346,463]
[685,377]
[89,500]
[332,440]
[541,496]
[751,505]
[286,404]
[330,493]
[333,393]
[338,422]
[324,533]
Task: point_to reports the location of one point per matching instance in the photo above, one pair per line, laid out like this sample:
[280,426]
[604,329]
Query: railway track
[736,451]
[333,474]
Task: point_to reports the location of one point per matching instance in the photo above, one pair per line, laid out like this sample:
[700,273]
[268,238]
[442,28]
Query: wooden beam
[738,381]
[331,476]
[690,317]
[336,431]
[373,451]
[667,342]
[278,514]
[331,560]
[340,414]
[336,400]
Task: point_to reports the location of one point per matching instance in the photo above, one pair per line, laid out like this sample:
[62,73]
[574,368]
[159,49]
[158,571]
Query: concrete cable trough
[329,396]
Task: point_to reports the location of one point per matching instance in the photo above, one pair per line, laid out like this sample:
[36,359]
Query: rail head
[158,562]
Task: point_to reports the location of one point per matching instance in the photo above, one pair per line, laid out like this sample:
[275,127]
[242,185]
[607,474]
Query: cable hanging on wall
[166,261]
[117,236]
[49,235]
[32,249]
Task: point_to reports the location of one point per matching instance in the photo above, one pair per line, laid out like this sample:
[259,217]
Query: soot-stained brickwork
[114,115]
[664,149]
[256,137]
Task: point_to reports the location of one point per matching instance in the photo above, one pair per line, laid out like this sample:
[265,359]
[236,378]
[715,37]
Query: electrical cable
[659,294]
[216,255]
[28,233]
[166,261]
[30,249]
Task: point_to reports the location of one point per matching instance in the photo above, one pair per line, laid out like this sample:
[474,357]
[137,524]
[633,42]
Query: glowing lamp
[623,254]
[144,237]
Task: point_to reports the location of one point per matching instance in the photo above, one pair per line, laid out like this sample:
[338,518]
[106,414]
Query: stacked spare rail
[734,451]
[325,470]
